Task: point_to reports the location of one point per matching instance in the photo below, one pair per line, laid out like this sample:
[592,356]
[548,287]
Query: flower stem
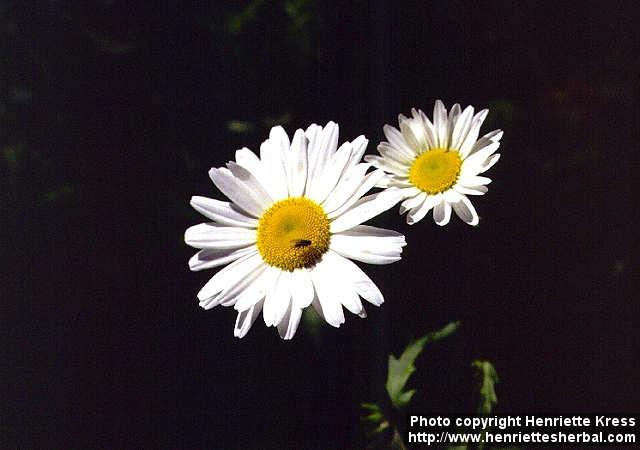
[397,443]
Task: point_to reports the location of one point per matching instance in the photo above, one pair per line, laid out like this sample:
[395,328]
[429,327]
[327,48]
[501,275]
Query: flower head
[436,165]
[291,229]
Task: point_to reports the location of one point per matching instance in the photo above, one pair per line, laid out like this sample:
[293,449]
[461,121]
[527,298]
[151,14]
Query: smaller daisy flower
[436,165]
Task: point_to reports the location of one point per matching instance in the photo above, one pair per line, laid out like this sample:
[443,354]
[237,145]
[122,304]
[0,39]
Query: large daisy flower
[292,227]
[436,165]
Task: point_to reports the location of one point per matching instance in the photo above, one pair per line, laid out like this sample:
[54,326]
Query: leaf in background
[487,377]
[374,419]
[61,195]
[239,126]
[235,23]
[400,369]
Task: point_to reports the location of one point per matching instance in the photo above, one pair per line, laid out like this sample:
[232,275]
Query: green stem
[397,443]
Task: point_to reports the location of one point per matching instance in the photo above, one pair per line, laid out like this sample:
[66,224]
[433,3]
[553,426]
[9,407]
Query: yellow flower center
[293,233]
[435,170]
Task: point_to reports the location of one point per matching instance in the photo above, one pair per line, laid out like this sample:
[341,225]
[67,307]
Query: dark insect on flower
[300,243]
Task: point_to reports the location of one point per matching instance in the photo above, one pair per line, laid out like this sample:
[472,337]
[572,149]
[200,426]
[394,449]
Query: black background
[111,114]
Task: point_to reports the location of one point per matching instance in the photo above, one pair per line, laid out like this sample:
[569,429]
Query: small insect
[300,243]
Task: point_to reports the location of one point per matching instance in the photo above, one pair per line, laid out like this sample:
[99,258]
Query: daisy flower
[291,229]
[436,165]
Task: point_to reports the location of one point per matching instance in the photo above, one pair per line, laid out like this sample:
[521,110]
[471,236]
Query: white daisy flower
[292,227]
[436,165]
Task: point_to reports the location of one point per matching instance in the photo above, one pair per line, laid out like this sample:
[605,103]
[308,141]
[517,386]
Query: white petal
[351,301]
[222,212]
[229,275]
[474,181]
[346,187]
[312,134]
[326,182]
[488,164]
[359,145]
[369,231]
[399,182]
[358,279]
[389,152]
[442,213]
[474,131]
[441,124]
[430,131]
[418,212]
[470,190]
[237,191]
[419,131]
[454,114]
[408,192]
[386,181]
[273,164]
[280,139]
[245,320]
[475,162]
[369,181]
[250,161]
[461,128]
[409,137]
[388,165]
[277,300]
[465,210]
[301,288]
[451,196]
[365,209]
[323,143]
[213,235]
[327,295]
[478,165]
[297,165]
[247,159]
[485,140]
[381,249]
[396,139]
[413,202]
[344,290]
[289,323]
[258,289]
[209,258]
[251,182]
[236,288]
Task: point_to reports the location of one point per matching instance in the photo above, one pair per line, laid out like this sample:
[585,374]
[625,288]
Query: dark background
[111,114]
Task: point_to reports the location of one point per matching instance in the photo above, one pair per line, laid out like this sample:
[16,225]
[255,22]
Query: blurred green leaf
[239,126]
[60,195]
[312,323]
[374,418]
[400,369]
[236,22]
[11,156]
[300,14]
[486,377]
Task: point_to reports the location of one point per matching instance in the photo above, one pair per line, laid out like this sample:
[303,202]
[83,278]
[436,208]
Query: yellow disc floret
[293,233]
[435,170]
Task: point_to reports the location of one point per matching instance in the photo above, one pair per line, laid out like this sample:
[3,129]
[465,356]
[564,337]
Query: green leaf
[400,369]
[238,21]
[239,126]
[374,419]
[487,378]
